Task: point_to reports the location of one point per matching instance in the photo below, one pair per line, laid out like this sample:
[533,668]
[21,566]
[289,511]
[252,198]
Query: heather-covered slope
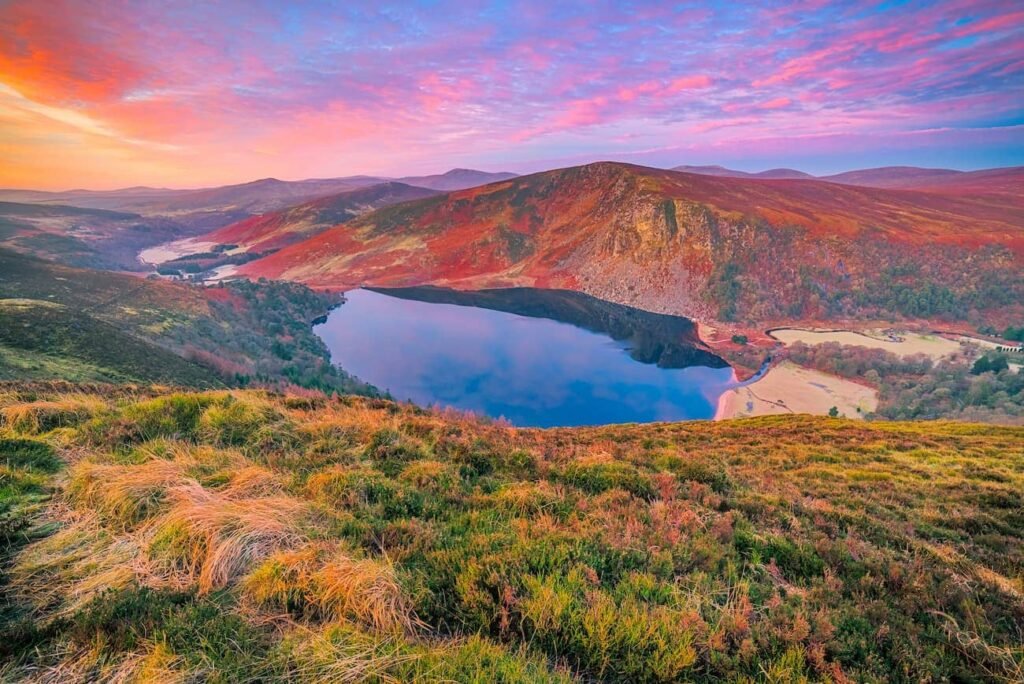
[286,226]
[702,246]
[245,536]
[1006,181]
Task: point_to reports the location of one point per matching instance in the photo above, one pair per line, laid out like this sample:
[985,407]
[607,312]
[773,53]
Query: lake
[534,357]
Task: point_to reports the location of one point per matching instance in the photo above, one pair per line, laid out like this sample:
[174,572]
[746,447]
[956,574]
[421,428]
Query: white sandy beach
[789,388]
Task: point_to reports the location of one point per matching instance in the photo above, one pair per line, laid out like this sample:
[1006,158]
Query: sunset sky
[107,93]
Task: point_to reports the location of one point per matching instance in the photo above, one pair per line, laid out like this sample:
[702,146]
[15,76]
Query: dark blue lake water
[532,371]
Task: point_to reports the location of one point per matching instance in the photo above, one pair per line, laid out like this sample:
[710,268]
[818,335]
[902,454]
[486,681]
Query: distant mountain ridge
[1008,180]
[224,204]
[253,197]
[1005,180]
[723,172]
[456,179]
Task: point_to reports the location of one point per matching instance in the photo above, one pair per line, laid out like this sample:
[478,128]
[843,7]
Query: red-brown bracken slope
[1005,181]
[287,226]
[667,240]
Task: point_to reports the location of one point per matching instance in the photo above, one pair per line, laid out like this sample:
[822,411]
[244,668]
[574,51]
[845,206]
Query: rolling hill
[1006,181]
[77,236]
[722,172]
[277,229]
[701,246]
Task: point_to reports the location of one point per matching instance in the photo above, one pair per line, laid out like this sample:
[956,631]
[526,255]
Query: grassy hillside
[232,536]
[41,340]
[80,324]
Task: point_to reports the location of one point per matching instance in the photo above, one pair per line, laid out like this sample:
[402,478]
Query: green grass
[227,535]
[42,339]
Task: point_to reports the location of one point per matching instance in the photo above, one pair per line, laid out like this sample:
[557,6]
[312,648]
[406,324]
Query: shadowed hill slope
[80,324]
[668,341]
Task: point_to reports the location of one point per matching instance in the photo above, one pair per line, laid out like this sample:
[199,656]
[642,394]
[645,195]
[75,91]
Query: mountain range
[253,197]
[985,182]
[706,242]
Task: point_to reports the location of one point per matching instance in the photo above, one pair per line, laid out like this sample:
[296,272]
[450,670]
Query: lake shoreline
[535,370]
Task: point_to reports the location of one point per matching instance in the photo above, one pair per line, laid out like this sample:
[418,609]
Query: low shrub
[234,422]
[30,454]
[391,451]
[597,475]
[175,416]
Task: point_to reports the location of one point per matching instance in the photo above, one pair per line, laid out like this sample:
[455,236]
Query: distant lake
[535,357]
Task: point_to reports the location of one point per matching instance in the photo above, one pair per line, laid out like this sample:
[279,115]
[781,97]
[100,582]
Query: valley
[745,255]
[514,342]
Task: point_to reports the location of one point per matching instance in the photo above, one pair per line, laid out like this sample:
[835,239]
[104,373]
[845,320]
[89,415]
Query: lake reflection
[531,371]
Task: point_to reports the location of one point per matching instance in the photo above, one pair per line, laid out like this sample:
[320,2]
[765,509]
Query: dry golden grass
[523,498]
[212,538]
[282,580]
[323,581]
[161,665]
[427,474]
[124,495]
[93,664]
[252,481]
[153,524]
[366,590]
[335,653]
[34,417]
[65,571]
[735,551]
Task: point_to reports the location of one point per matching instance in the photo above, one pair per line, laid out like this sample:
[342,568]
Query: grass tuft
[37,417]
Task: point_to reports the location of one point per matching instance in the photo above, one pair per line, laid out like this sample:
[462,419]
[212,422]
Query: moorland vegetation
[232,535]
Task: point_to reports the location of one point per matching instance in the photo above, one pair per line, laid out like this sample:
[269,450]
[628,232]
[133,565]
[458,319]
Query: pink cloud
[691,83]
[776,103]
[223,86]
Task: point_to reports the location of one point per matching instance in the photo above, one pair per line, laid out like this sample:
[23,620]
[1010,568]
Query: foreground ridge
[228,535]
